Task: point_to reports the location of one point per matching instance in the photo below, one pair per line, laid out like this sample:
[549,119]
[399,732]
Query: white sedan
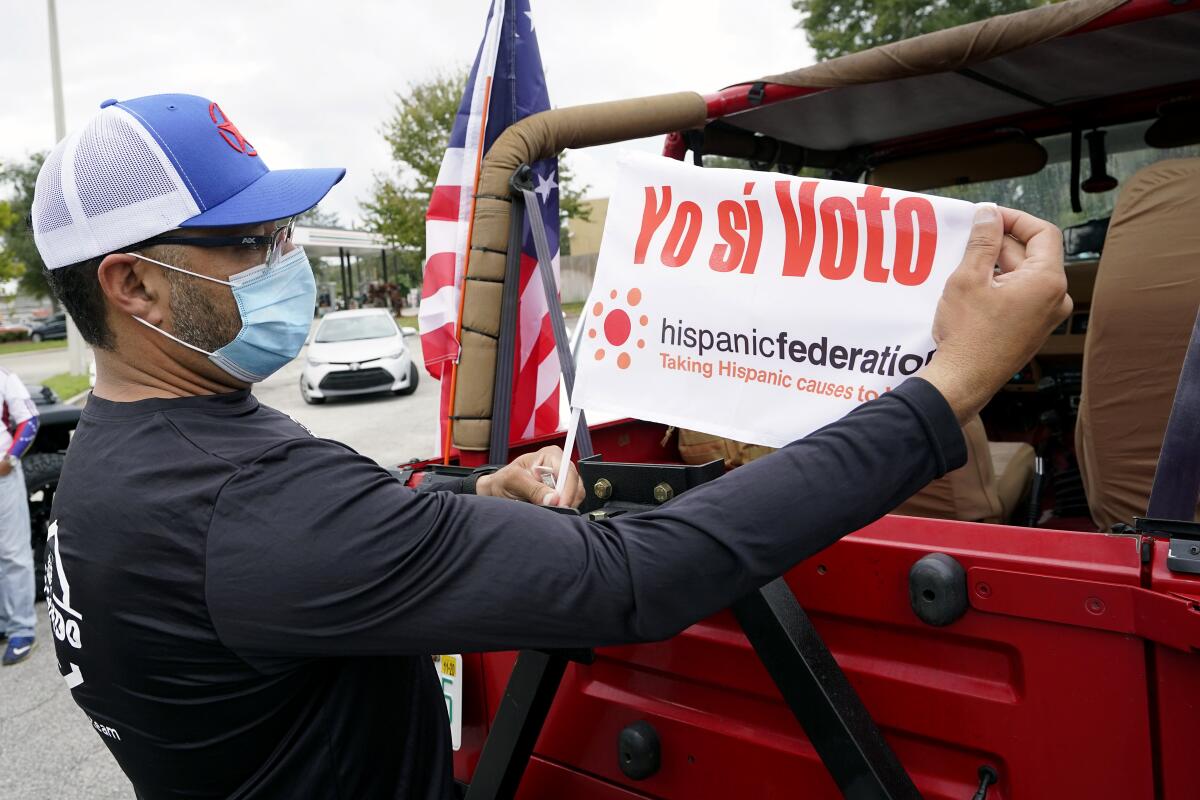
[357,352]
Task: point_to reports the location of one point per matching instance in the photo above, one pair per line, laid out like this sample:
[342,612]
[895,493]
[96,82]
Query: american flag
[506,84]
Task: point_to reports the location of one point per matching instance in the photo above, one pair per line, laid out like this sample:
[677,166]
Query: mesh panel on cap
[51,212]
[115,168]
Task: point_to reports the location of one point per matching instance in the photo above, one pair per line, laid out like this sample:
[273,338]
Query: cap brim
[277,194]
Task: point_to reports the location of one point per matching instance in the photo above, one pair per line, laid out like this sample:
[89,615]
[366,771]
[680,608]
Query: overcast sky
[309,83]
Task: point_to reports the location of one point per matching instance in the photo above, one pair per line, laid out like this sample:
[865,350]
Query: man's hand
[518,481]
[989,324]
[6,468]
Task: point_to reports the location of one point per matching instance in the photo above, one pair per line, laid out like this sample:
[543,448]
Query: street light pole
[60,123]
[75,344]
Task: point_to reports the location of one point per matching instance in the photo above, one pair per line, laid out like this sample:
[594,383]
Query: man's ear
[134,287]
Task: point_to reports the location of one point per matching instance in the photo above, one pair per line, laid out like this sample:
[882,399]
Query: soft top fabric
[1143,308]
[949,49]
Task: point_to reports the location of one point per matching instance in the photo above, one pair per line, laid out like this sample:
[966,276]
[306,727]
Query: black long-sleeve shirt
[246,611]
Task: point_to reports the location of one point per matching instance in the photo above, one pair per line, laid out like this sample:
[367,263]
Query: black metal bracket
[1076,157]
[816,690]
[695,143]
[841,730]
[613,486]
[756,94]
[1183,547]
[527,698]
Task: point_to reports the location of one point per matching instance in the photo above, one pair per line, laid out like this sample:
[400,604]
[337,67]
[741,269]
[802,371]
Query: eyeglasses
[275,242]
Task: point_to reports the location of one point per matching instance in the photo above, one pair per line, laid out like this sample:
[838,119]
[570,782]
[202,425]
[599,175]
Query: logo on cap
[229,132]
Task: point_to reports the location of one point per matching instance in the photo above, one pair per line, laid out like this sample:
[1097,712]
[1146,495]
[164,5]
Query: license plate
[449,669]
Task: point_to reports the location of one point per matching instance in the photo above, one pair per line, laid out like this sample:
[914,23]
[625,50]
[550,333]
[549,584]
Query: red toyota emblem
[229,132]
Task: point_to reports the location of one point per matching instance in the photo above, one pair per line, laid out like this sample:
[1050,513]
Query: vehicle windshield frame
[1127,153]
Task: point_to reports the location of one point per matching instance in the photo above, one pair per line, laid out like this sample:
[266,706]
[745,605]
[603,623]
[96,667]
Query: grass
[22,347]
[406,321]
[66,385]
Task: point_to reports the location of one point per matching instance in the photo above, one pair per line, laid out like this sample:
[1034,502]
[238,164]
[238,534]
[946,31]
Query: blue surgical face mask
[276,305]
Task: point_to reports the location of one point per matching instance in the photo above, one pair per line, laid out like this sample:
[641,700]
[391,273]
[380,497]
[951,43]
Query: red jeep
[1016,633]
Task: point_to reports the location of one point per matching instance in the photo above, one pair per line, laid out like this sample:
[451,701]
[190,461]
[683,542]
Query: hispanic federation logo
[617,327]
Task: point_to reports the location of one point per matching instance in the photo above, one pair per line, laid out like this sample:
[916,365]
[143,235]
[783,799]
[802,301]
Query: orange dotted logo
[618,326]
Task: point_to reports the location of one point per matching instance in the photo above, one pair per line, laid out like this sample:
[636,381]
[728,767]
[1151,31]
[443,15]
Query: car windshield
[1047,194]
[348,329]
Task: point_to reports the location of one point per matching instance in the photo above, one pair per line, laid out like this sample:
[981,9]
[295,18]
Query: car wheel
[413,378]
[41,481]
[35,337]
[312,401]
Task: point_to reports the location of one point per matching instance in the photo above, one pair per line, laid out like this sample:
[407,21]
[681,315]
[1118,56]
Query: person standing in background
[20,423]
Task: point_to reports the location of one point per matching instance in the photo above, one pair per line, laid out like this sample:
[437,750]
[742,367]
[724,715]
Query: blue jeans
[16,557]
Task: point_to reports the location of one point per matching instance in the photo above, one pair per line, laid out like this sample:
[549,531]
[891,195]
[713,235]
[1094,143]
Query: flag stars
[529,14]
[546,185]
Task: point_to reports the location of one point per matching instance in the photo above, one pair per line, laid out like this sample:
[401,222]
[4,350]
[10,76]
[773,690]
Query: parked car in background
[53,327]
[42,464]
[13,332]
[357,352]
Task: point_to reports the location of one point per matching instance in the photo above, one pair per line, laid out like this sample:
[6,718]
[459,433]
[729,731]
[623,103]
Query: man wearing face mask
[244,610]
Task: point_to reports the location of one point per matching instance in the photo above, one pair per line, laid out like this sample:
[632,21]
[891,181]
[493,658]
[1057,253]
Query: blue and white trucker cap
[141,167]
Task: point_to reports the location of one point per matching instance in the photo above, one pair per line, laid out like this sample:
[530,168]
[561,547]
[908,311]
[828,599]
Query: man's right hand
[988,324]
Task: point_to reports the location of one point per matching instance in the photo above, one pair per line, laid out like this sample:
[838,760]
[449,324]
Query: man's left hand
[518,481]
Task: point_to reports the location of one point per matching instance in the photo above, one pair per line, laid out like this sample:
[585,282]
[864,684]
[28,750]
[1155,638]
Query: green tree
[570,203]
[10,266]
[21,177]
[417,133]
[837,27]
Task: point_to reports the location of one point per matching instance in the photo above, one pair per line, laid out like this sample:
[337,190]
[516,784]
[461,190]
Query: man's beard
[196,318]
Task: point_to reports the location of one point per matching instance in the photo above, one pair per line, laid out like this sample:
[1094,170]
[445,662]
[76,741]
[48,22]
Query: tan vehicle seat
[988,488]
[1143,307]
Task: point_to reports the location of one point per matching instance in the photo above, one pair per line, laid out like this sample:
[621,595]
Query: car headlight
[315,362]
[394,355]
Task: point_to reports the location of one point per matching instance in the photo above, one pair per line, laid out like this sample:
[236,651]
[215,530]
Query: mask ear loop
[171,336]
[154,327]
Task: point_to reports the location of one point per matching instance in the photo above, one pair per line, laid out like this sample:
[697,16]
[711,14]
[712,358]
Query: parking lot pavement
[48,749]
[386,428]
[36,365]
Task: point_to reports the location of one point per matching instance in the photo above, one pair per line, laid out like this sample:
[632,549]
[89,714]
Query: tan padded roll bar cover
[534,138]
[949,49]
[1143,307]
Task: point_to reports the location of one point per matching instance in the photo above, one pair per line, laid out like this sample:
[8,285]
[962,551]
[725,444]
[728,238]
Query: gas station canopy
[325,242]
